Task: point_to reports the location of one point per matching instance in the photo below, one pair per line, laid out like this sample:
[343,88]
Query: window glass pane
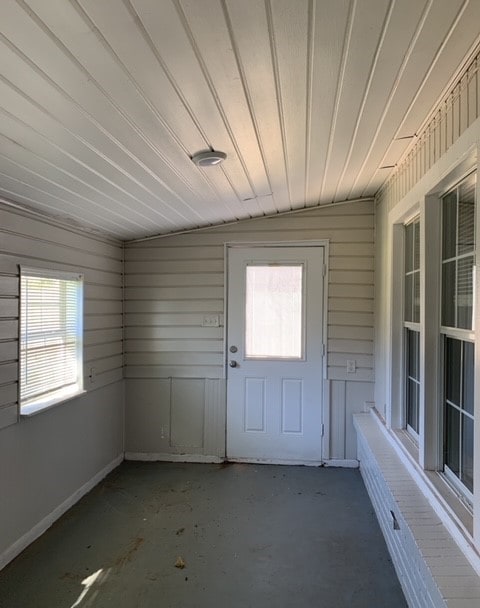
[466,216]
[274,311]
[412,404]
[416,297]
[448,294]
[416,246]
[449,226]
[465,292]
[468,376]
[50,336]
[452,439]
[413,372]
[408,314]
[412,353]
[409,240]
[467,452]
[453,363]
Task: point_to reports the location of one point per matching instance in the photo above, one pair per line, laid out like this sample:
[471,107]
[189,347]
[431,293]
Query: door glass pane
[273,324]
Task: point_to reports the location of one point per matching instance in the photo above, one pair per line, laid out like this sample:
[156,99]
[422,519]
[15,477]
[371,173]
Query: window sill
[32,409]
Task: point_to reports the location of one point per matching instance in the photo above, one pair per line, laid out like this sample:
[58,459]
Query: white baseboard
[346,464]
[304,463]
[43,525]
[166,457]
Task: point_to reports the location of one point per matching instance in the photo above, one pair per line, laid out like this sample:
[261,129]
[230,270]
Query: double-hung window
[51,343]
[457,332]
[412,326]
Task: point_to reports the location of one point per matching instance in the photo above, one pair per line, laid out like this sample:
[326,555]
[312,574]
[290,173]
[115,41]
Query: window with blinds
[51,330]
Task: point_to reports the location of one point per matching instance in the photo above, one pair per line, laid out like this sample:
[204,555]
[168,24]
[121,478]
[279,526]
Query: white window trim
[65,394]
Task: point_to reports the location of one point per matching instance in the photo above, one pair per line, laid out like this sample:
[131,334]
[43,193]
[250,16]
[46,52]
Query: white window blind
[51,336]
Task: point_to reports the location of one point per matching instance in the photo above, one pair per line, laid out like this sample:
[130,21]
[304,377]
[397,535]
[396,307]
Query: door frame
[325,243]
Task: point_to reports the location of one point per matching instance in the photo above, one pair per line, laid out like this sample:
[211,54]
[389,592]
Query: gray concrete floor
[250,536]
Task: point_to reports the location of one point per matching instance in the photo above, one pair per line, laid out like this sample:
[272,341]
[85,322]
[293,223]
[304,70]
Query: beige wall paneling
[77,442]
[165,313]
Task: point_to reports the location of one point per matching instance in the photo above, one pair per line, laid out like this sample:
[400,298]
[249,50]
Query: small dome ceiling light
[209,158]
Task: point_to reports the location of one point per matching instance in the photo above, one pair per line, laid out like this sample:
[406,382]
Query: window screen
[50,336]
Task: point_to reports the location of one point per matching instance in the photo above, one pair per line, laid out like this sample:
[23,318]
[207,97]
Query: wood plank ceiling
[103,103]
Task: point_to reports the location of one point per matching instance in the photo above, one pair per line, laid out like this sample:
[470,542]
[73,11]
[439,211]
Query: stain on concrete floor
[249,536]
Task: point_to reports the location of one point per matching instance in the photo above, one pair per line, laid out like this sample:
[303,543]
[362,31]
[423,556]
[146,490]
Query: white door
[275,354]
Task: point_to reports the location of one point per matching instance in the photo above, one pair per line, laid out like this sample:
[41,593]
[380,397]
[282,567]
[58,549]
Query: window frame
[411,325]
[39,403]
[457,333]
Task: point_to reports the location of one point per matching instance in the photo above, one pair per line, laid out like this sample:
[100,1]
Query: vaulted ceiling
[103,103]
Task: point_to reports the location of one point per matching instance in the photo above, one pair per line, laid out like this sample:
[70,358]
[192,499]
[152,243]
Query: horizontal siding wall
[172,282]
[30,242]
[74,442]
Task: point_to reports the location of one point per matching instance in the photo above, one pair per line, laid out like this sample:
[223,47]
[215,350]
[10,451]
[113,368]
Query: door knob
[233,364]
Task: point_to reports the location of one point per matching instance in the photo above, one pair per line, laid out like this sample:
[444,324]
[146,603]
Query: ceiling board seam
[88,21]
[338,93]
[420,89]
[246,92]
[71,156]
[146,36]
[401,70]
[308,122]
[213,91]
[89,76]
[49,195]
[84,142]
[18,210]
[150,105]
[52,211]
[435,59]
[68,174]
[61,187]
[81,140]
[278,89]
[166,70]
[368,85]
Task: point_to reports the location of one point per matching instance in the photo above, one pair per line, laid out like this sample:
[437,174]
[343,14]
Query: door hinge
[324,350]
[324,270]
[323,429]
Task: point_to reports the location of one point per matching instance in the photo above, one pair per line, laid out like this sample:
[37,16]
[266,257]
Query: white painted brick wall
[431,568]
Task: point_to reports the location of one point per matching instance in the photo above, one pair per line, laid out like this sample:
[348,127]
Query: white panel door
[275,354]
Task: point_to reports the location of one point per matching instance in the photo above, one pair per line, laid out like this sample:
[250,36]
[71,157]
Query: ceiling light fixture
[209,158]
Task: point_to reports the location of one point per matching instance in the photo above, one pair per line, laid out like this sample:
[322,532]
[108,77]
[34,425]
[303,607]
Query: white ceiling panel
[103,104]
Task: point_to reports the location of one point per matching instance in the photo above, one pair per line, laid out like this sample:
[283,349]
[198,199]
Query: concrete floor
[250,536]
